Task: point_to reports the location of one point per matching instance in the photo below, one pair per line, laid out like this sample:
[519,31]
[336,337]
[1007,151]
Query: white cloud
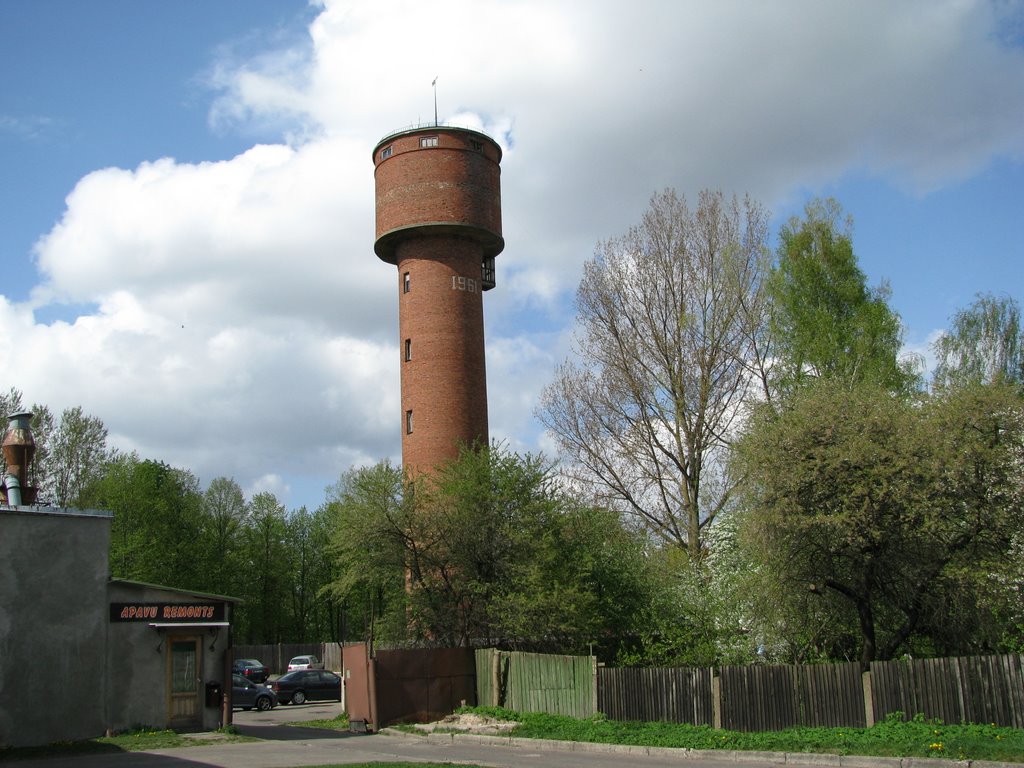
[269,483]
[243,325]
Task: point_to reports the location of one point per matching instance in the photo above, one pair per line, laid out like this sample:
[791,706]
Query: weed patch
[339,723]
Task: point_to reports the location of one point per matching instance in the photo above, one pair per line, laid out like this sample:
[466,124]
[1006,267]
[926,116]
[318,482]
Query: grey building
[82,654]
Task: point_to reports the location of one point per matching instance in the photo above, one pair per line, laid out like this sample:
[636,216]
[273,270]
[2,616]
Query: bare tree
[672,340]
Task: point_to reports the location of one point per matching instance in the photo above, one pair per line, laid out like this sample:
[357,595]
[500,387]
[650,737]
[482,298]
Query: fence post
[716,700]
[869,707]
[496,698]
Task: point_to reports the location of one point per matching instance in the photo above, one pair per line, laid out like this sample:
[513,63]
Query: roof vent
[18,448]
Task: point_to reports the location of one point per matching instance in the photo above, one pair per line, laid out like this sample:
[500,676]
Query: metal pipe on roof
[13,486]
[19,447]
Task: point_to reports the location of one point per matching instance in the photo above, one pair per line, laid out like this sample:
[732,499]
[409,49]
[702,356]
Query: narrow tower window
[386,152]
[408,422]
[428,141]
[408,350]
[405,282]
[487,280]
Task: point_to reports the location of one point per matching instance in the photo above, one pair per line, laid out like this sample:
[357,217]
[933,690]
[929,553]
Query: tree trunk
[867,633]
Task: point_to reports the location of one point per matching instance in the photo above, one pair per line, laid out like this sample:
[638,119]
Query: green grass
[131,741]
[891,738]
[339,723]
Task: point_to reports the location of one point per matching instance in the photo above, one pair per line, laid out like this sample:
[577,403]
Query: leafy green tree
[486,548]
[698,614]
[892,509]
[471,507]
[827,323]
[587,584]
[373,530]
[672,340]
[77,453]
[264,616]
[308,536]
[984,344]
[324,616]
[223,518]
[40,471]
[521,562]
[157,526]
[10,402]
[1002,599]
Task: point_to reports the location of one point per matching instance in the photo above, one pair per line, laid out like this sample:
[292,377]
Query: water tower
[438,201]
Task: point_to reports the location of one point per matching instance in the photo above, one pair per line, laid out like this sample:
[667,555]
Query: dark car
[251,669]
[307,685]
[246,694]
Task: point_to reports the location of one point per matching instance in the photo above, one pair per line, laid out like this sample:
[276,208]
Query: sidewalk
[732,757]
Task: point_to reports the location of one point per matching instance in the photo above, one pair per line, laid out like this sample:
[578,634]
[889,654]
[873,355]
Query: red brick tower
[439,221]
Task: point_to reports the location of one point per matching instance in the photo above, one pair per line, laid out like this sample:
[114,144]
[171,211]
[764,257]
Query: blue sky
[97,84]
[186,213]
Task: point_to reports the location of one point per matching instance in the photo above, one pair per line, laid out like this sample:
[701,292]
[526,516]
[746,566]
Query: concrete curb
[683,753]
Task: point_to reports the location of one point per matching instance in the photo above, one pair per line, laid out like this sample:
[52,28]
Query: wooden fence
[677,695]
[977,689]
[276,656]
[534,682]
[774,697]
[973,689]
[980,689]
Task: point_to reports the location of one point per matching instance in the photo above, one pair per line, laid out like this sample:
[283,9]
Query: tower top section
[437,180]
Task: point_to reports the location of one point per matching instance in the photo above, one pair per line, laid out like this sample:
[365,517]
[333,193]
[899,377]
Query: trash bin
[213,694]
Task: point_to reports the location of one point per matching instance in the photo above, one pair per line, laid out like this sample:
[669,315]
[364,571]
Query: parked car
[304,662]
[253,669]
[247,694]
[307,685]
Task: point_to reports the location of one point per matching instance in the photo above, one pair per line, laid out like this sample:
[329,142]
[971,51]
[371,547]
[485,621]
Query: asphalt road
[287,713]
[295,746]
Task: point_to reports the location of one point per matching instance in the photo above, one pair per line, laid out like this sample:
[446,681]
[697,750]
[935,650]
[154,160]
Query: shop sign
[167,612]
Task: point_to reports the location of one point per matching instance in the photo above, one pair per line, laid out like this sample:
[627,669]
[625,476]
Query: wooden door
[184,683]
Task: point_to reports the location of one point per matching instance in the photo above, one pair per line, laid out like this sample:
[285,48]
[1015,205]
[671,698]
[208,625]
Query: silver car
[304,662]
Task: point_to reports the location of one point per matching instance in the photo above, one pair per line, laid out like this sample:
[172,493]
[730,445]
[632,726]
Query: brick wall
[438,216]
[450,185]
[444,383]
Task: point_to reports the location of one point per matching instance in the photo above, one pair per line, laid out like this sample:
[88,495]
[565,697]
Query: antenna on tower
[435,99]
